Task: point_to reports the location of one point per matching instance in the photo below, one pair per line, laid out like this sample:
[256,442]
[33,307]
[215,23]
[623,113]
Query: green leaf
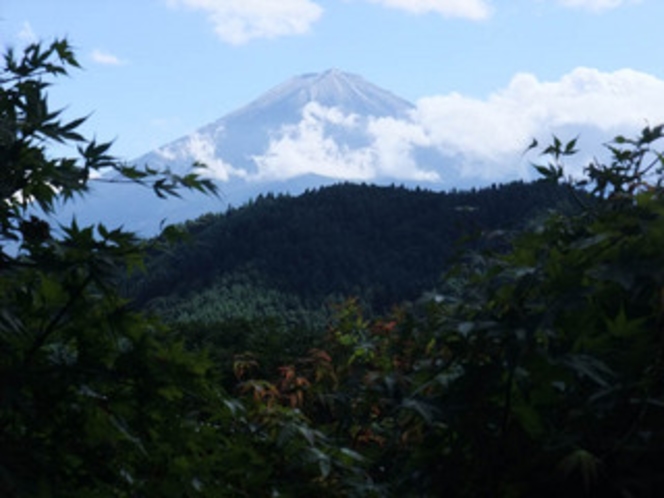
[624,327]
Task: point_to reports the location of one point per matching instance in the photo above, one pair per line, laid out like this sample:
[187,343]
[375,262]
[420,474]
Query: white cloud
[527,107]
[493,132]
[595,5]
[239,21]
[305,148]
[311,146]
[393,144]
[106,58]
[201,149]
[469,9]
[27,34]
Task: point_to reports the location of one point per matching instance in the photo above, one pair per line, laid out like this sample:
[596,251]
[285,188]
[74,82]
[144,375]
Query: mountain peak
[334,73]
[332,88]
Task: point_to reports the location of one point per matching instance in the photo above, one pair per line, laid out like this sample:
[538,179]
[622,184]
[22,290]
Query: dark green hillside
[281,254]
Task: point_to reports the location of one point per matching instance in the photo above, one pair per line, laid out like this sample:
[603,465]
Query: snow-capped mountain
[330,104]
[312,130]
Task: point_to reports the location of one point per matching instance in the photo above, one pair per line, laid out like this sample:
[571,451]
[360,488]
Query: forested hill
[385,244]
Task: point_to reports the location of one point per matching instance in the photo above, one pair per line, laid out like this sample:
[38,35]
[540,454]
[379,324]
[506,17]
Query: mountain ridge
[387,244]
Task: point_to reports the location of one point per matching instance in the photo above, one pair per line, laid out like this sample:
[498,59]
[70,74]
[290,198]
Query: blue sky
[487,75]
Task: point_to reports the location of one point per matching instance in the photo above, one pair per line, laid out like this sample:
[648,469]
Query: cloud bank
[313,146]
[483,138]
[527,107]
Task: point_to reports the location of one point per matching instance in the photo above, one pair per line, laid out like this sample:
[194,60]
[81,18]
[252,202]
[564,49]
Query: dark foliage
[97,399]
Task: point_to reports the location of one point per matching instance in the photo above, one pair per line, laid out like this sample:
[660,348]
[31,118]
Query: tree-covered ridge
[385,244]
